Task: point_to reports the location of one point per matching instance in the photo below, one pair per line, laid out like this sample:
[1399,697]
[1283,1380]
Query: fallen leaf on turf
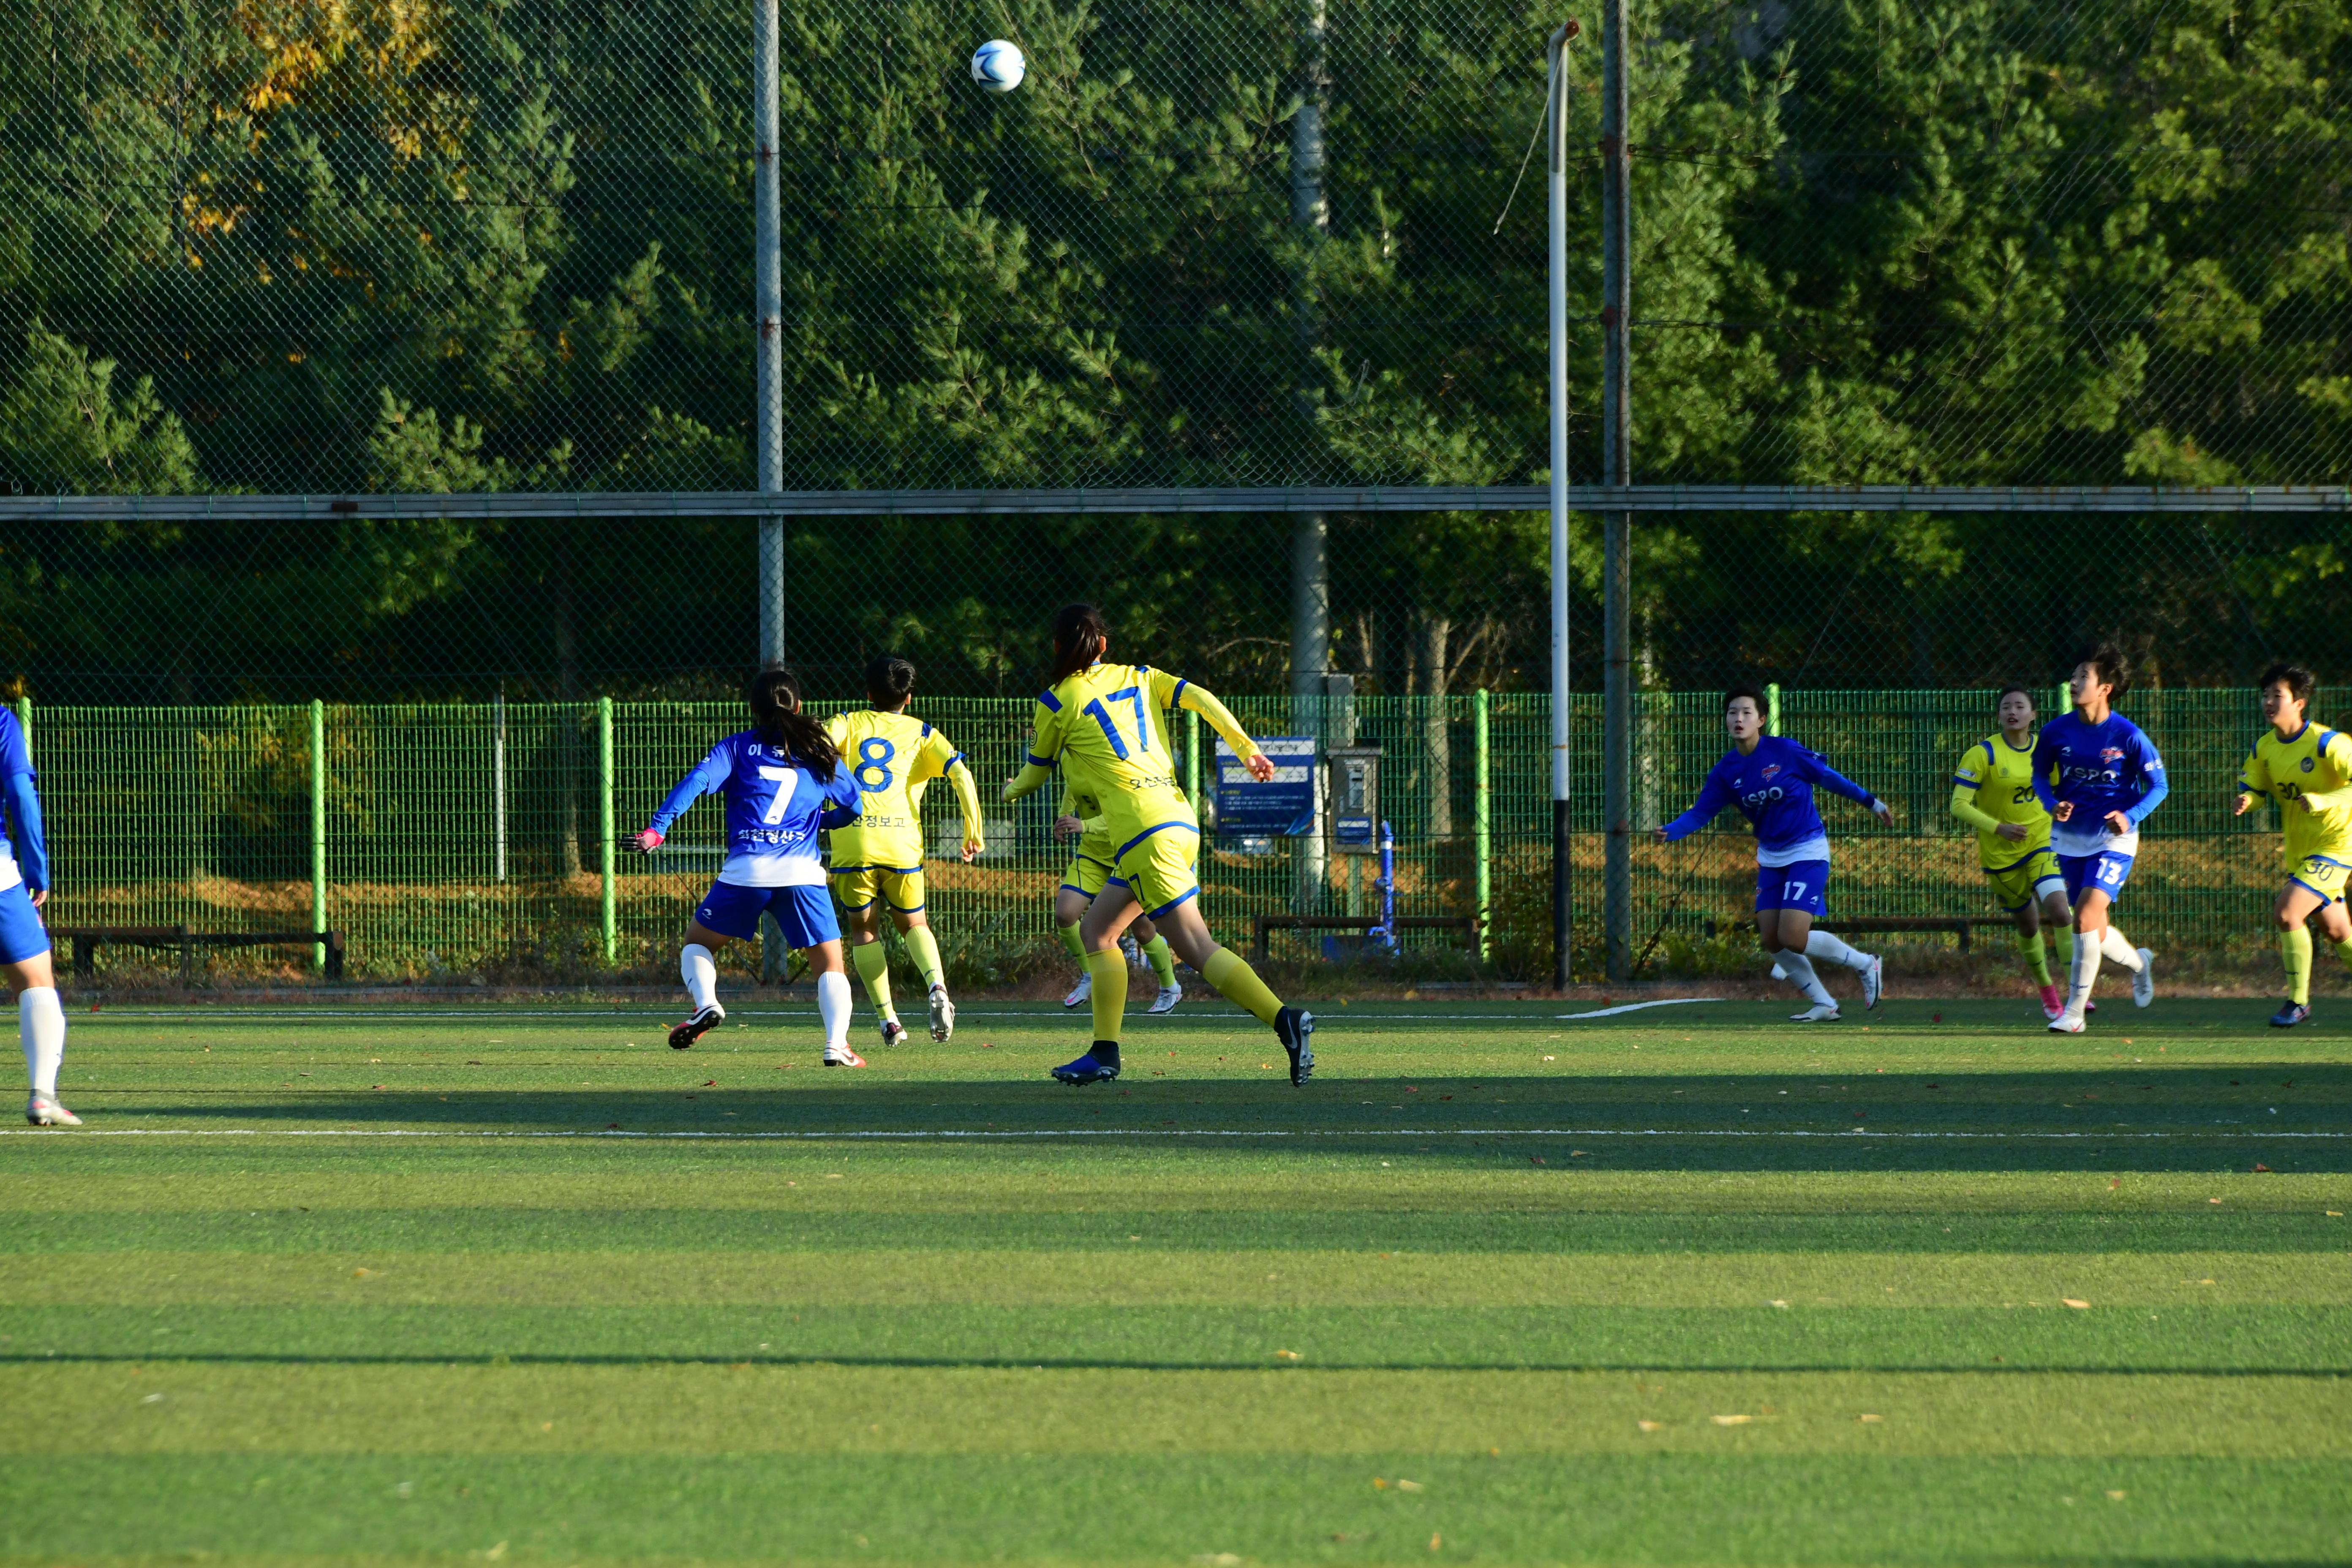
[1577,1155]
[1379,1485]
[1436,1541]
[1783,1305]
[1870,1418]
[2333,1214]
[1649,1425]
[359,1273]
[1551,1058]
[496,1553]
[2265,1169]
[1285,1355]
[1411,1486]
[2212,1200]
[1731,1420]
[1535,1159]
[2070,1300]
[2114,1497]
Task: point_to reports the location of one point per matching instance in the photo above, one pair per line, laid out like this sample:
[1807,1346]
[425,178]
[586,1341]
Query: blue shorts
[21,934]
[1803,886]
[804,914]
[2105,872]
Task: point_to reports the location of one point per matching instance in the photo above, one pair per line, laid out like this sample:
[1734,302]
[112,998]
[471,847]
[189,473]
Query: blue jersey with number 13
[774,809]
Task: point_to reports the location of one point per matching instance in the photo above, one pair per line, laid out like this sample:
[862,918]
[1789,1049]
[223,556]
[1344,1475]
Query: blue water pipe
[1384,933]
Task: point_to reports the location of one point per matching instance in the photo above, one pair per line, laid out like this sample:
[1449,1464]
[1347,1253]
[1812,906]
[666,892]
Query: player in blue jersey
[24,941]
[1772,780]
[783,782]
[2099,776]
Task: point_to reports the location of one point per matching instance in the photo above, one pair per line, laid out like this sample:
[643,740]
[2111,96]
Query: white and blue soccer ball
[997,66]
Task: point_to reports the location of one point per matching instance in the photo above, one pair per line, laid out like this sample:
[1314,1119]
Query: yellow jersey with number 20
[2000,777]
[2315,767]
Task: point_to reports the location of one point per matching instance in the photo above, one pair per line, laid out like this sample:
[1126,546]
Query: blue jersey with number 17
[774,809]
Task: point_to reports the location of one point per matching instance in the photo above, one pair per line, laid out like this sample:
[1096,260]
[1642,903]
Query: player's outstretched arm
[1044,745]
[967,792]
[25,831]
[708,777]
[1177,692]
[1713,796]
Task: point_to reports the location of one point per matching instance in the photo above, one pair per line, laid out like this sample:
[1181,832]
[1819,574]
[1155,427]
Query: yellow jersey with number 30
[892,757]
[2314,767]
[2002,778]
[1107,726]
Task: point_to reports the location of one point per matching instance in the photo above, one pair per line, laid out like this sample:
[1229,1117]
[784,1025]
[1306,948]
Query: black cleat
[1086,1069]
[1294,1026]
[705,1019]
[2290,1014]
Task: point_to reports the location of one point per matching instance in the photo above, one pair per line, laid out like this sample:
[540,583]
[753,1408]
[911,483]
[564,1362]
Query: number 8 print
[879,760]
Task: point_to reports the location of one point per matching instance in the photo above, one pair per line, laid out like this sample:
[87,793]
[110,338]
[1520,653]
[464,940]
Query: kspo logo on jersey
[1760,796]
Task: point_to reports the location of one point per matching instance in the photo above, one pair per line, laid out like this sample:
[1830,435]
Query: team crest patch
[2306,764]
[1770,768]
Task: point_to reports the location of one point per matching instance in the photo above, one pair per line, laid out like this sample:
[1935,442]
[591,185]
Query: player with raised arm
[2108,778]
[2307,769]
[1772,780]
[24,940]
[1107,726]
[877,860]
[783,782]
[1083,880]
[1992,792]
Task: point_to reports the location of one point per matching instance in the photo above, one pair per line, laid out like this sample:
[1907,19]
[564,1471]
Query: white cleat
[43,1112]
[1820,1013]
[1873,981]
[842,1057]
[1168,998]
[2066,1024]
[894,1033]
[2144,982]
[942,1013]
[1081,992]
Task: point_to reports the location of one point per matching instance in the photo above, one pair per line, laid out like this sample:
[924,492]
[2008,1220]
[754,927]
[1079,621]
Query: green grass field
[1680,1285]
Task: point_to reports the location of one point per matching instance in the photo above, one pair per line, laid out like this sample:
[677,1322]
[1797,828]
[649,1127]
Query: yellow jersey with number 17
[2002,778]
[892,757]
[1107,726]
[2315,767]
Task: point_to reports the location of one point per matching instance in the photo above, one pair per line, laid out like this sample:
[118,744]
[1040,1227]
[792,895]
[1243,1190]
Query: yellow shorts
[1087,873]
[901,887]
[2324,875]
[1158,866]
[2026,879]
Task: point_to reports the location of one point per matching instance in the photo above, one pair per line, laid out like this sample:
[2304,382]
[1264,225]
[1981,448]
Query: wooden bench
[1466,924]
[1958,925]
[87,939]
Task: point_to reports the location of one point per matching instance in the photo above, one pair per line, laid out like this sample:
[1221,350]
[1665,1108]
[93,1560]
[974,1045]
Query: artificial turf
[1929,1285]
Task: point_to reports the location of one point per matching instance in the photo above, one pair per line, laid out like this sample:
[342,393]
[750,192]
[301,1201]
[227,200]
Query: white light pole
[1556,245]
[768,308]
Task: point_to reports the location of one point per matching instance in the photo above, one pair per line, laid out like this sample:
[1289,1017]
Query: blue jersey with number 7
[776,807]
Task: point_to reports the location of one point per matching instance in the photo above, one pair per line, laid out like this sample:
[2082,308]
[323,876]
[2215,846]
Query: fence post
[604,825]
[1772,708]
[317,828]
[1482,821]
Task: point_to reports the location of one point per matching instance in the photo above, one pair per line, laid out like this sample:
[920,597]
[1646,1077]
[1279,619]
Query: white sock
[832,1001]
[2086,970]
[1801,974]
[2117,950]
[1821,945]
[41,1021]
[700,971]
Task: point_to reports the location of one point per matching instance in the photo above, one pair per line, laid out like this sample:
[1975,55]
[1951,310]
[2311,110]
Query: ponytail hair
[774,697]
[1079,638]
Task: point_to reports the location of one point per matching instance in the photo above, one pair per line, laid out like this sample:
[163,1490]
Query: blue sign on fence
[1285,805]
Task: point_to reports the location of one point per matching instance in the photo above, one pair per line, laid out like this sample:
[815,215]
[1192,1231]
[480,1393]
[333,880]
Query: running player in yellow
[1992,792]
[2307,769]
[1089,872]
[1107,726]
[877,860]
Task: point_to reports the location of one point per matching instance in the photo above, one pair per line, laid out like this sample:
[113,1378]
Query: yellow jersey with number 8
[892,757]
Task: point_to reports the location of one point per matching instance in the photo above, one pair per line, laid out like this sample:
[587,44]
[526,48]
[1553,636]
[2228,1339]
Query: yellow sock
[925,955]
[1237,983]
[2037,955]
[2065,935]
[873,965]
[1162,962]
[1109,968]
[2295,953]
[1069,935]
[2344,949]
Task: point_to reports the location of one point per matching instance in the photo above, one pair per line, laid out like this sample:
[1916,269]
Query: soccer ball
[998,66]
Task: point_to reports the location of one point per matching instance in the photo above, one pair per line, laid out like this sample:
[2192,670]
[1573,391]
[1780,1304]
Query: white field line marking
[1637,1007]
[648,1016]
[62,1135]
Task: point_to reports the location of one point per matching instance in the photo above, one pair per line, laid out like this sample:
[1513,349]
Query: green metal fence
[480,841]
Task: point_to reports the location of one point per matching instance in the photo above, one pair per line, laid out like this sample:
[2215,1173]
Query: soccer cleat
[704,1020]
[2066,1024]
[2053,1004]
[1080,992]
[1168,998]
[842,1057]
[2089,1005]
[894,1033]
[1820,1013]
[1294,1028]
[2144,982]
[942,1013]
[45,1113]
[1873,981]
[1085,1070]
[2290,1013]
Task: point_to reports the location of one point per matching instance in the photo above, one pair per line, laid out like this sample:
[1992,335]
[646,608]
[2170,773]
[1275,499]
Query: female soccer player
[2109,778]
[24,941]
[1770,779]
[1107,725]
[878,858]
[1992,792]
[1087,874]
[782,781]
[2307,769]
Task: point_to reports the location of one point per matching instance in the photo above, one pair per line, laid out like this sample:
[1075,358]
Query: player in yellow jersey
[2307,769]
[1992,792]
[877,860]
[1105,725]
[1089,872]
